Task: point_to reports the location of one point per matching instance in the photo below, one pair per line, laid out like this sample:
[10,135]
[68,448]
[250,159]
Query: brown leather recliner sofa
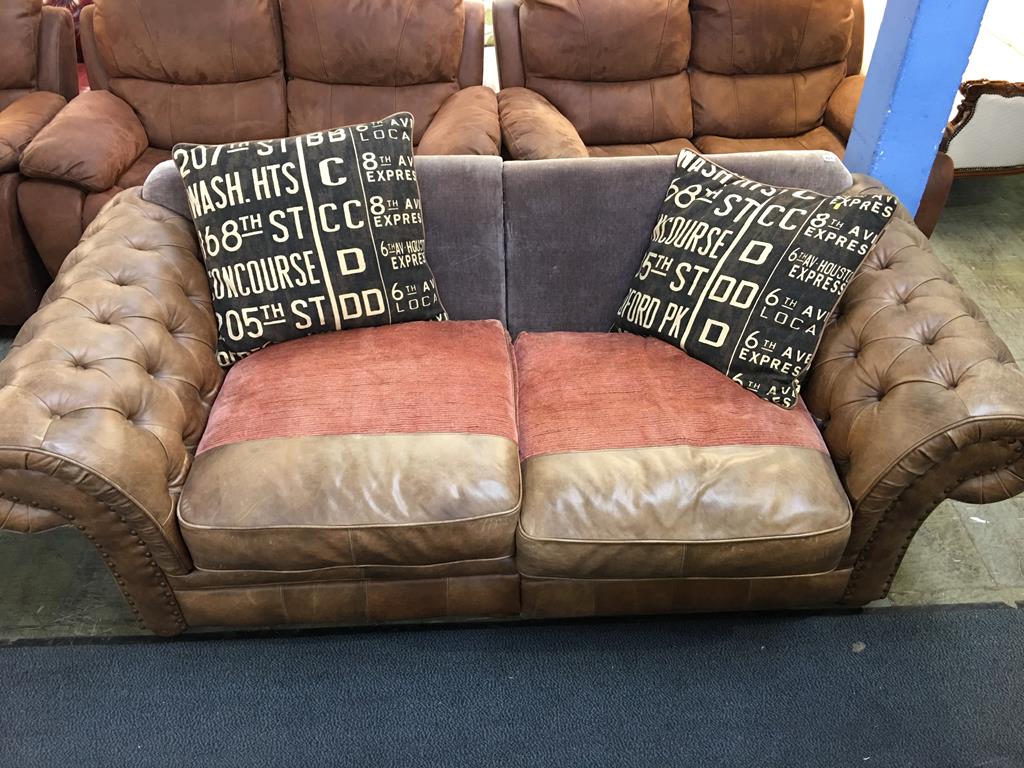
[432,471]
[608,78]
[37,76]
[202,71]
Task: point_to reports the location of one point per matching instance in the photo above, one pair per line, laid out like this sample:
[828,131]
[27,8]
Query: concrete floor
[54,584]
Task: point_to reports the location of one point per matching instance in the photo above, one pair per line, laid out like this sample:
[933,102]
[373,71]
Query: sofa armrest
[21,121]
[842,106]
[90,144]
[466,124]
[533,129]
[106,393]
[919,399]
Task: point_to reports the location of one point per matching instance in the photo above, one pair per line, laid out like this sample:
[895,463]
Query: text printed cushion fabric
[744,276]
[319,232]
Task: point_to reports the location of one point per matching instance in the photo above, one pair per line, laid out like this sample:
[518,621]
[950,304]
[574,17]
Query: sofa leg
[936,193]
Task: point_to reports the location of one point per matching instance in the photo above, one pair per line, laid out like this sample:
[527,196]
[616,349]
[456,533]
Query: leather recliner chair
[605,78]
[37,76]
[190,71]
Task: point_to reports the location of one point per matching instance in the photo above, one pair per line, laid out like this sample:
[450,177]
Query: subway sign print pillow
[744,276]
[312,233]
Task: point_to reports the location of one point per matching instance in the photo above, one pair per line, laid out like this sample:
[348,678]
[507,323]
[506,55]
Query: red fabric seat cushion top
[446,377]
[601,391]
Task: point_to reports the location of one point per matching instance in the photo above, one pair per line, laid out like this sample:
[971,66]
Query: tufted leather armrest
[921,401]
[534,129]
[466,124]
[90,144]
[21,121]
[842,106]
[106,393]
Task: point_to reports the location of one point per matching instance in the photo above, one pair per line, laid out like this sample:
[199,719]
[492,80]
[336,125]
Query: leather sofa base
[369,601]
[563,598]
[496,596]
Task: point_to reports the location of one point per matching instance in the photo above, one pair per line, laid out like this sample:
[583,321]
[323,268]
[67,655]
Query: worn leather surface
[52,213]
[533,129]
[24,278]
[200,578]
[89,144]
[553,597]
[640,462]
[397,447]
[358,500]
[109,384]
[347,602]
[21,121]
[19,40]
[842,106]
[920,400]
[466,124]
[820,138]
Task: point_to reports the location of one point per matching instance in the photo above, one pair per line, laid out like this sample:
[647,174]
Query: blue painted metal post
[918,62]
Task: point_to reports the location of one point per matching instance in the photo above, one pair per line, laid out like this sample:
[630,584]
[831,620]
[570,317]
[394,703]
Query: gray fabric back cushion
[575,230]
[462,217]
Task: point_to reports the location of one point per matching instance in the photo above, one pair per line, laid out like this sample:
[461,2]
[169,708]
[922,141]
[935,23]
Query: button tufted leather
[109,385]
[909,376]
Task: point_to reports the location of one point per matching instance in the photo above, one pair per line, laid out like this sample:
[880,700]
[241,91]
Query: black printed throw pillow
[744,276]
[312,233]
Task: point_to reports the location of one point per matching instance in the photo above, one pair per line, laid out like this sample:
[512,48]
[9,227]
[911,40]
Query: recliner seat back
[31,55]
[654,70]
[193,70]
[766,69]
[617,71]
[350,62]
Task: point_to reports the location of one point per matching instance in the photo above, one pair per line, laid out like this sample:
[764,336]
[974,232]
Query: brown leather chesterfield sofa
[195,70]
[37,76]
[408,473]
[610,78]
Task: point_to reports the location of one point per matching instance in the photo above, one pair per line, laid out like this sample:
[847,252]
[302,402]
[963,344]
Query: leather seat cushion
[641,462]
[669,147]
[370,447]
[817,138]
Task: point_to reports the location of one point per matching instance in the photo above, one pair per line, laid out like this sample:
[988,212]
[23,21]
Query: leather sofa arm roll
[533,129]
[105,395]
[90,144]
[466,124]
[919,399]
[842,106]
[21,121]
